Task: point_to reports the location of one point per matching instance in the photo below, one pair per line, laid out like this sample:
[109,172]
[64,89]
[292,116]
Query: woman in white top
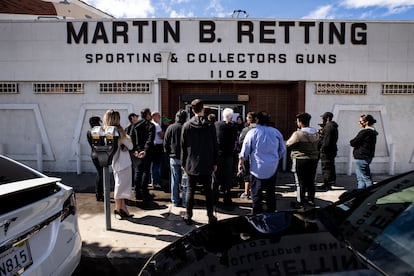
[121,165]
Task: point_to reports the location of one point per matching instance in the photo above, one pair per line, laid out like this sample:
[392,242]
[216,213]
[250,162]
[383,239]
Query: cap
[165,120]
[327,114]
[154,113]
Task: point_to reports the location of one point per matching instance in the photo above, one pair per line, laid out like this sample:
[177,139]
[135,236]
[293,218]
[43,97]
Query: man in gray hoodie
[304,149]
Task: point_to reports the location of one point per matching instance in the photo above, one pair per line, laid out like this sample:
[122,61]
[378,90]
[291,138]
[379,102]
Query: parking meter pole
[107,199]
[105,144]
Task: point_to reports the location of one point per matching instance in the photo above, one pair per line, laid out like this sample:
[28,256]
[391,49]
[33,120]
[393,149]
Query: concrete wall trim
[43,134]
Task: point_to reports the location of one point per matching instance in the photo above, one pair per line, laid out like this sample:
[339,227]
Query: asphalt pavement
[128,244]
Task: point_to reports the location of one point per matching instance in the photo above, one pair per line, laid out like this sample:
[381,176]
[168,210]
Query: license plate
[15,259]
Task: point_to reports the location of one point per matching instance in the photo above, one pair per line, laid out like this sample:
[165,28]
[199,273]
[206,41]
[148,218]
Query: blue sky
[291,9]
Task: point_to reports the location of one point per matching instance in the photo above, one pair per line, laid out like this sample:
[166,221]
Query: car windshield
[378,224]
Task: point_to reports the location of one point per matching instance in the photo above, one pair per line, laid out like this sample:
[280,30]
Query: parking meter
[105,144]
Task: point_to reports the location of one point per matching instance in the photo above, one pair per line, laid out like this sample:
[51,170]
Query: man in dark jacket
[328,150]
[142,136]
[226,131]
[172,147]
[199,158]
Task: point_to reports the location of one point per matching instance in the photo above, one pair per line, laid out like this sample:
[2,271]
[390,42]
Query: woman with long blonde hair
[121,164]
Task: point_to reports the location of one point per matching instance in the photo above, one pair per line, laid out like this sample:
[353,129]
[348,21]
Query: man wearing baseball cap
[328,150]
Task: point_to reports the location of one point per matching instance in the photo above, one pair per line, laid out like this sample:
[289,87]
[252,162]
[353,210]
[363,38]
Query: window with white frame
[340,88]
[397,89]
[9,88]
[126,87]
[58,88]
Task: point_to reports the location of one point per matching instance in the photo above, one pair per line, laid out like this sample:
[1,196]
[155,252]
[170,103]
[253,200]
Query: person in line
[364,150]
[133,119]
[121,164]
[226,132]
[158,151]
[250,123]
[93,122]
[199,158]
[142,137]
[240,124]
[264,146]
[303,144]
[328,150]
[172,146]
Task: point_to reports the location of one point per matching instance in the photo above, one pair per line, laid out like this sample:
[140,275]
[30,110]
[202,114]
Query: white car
[39,232]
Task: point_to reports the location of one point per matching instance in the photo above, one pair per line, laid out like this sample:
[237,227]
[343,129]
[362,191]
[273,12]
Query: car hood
[282,243]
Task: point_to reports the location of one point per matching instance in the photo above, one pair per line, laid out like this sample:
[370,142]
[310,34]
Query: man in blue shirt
[265,146]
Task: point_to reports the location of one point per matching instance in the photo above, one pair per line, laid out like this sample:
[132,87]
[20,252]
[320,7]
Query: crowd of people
[204,151]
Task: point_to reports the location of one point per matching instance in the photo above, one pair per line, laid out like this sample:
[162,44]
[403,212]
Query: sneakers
[245,196]
[325,188]
[296,205]
[188,221]
[311,203]
[212,219]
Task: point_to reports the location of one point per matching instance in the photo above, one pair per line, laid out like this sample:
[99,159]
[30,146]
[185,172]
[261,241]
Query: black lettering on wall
[123,32]
[207,31]
[306,26]
[264,31]
[286,25]
[358,38]
[140,25]
[245,28]
[100,33]
[175,35]
[338,34]
[71,33]
[154,31]
[320,36]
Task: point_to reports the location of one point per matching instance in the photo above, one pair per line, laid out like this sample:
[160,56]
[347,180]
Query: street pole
[107,199]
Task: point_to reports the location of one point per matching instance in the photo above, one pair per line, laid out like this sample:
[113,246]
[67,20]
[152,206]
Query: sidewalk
[124,249]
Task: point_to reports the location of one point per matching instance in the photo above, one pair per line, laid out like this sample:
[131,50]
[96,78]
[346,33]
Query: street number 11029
[231,74]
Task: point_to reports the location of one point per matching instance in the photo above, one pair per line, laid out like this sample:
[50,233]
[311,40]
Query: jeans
[306,171]
[142,173]
[328,168]
[176,178]
[257,187]
[204,180]
[363,172]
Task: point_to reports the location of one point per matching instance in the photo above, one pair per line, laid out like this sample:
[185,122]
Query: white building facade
[56,74]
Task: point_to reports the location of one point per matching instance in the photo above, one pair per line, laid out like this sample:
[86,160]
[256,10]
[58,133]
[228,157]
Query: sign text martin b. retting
[268,37]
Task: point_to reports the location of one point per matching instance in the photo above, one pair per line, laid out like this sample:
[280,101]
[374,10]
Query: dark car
[367,232]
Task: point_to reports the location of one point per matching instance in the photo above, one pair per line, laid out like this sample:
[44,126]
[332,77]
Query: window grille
[397,89]
[9,88]
[58,87]
[125,87]
[336,88]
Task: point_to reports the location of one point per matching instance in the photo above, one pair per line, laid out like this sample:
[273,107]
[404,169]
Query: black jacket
[198,146]
[172,140]
[364,143]
[329,138]
[143,135]
[226,138]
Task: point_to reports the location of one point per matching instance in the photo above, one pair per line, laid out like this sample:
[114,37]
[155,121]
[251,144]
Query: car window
[378,224]
[12,172]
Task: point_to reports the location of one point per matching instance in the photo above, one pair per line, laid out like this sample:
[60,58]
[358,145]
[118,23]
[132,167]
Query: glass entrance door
[217,109]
